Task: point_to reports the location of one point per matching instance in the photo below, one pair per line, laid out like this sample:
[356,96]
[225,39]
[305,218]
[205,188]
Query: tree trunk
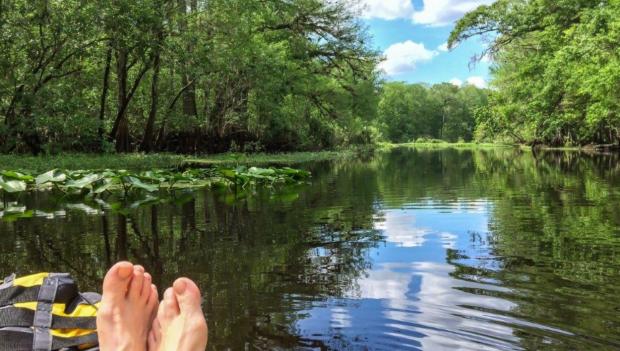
[147,140]
[120,130]
[189,96]
[104,95]
[121,74]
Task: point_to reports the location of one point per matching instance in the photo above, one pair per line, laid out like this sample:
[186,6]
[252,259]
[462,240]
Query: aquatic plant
[95,183]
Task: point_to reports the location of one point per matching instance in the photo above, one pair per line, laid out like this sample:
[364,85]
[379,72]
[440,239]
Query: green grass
[140,162]
[89,161]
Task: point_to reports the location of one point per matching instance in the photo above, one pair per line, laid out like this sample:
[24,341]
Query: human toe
[135,288]
[117,280]
[145,294]
[187,295]
[169,307]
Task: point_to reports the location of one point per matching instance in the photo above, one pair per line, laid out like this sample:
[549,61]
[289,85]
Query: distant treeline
[183,75]
[418,112]
[556,72]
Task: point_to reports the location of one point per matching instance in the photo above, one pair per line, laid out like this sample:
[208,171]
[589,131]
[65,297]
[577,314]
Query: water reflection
[421,250]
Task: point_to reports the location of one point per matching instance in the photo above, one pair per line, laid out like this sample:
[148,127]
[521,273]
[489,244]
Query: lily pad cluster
[94,183]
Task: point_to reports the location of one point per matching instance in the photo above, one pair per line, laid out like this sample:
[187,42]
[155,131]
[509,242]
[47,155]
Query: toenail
[124,272]
[180,286]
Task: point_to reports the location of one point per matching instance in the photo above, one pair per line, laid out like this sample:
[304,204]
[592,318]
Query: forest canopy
[556,74]
[183,75]
[418,112]
[198,76]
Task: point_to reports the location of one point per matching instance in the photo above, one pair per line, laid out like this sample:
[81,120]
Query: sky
[412,34]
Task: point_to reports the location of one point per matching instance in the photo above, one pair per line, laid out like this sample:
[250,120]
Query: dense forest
[196,76]
[183,75]
[556,70]
[417,112]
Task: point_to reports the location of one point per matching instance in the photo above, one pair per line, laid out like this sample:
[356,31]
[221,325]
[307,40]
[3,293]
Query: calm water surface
[407,250]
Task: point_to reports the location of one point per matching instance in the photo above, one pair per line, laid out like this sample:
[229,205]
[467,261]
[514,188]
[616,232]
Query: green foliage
[556,70]
[95,183]
[144,162]
[183,76]
[408,112]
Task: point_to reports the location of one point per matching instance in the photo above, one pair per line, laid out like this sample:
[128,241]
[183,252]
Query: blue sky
[412,35]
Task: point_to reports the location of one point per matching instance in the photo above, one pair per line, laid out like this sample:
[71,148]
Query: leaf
[141,185]
[13,216]
[228,173]
[13,186]
[53,176]
[262,171]
[15,209]
[102,185]
[16,176]
[84,182]
[149,200]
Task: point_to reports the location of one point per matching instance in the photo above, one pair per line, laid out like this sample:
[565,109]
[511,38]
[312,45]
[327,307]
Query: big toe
[188,295]
[117,280]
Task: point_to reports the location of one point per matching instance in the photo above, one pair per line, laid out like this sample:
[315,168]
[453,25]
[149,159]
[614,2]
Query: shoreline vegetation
[139,161]
[142,162]
[439,144]
[153,77]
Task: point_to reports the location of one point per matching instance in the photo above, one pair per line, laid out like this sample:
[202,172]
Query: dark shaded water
[408,250]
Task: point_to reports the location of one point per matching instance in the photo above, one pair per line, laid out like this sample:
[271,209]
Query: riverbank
[443,145]
[592,149]
[138,162]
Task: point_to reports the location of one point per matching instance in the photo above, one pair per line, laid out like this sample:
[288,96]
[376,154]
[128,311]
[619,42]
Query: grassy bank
[139,162]
[443,145]
[590,149]
[291,158]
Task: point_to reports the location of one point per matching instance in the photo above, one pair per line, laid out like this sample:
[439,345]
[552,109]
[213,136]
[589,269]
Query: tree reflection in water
[550,252]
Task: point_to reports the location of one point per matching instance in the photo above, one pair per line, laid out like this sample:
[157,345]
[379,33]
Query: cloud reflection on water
[409,299]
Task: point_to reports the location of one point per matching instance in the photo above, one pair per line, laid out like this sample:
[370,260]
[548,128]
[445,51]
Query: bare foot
[180,324]
[127,308]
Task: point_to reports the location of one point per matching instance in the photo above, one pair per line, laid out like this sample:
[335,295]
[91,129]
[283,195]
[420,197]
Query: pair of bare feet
[131,318]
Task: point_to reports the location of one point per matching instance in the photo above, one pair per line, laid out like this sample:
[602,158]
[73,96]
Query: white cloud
[403,57]
[387,9]
[443,47]
[433,13]
[478,82]
[445,12]
[457,82]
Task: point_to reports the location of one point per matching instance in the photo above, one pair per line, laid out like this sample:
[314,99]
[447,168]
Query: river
[411,249]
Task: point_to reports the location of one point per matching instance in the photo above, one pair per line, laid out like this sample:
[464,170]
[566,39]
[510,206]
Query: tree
[408,112]
[184,75]
[556,68]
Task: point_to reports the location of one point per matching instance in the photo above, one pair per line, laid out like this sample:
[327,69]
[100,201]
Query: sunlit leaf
[13,186]
[16,176]
[84,182]
[141,185]
[53,176]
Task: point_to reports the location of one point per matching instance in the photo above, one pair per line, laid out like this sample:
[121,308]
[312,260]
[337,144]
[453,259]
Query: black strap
[42,338]
[81,341]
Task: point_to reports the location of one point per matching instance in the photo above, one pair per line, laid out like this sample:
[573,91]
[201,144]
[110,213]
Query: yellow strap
[30,280]
[58,309]
[71,333]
